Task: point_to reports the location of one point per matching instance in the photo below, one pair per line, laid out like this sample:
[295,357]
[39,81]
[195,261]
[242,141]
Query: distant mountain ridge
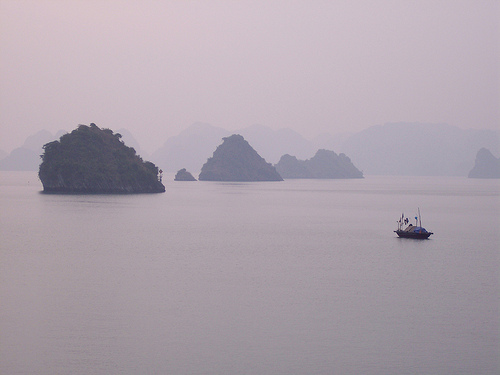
[191,148]
[390,149]
[27,156]
[416,149]
[412,149]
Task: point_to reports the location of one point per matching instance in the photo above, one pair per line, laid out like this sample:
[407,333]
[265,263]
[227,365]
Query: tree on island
[94,160]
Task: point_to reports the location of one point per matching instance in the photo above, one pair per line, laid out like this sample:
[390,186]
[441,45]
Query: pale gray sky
[155,67]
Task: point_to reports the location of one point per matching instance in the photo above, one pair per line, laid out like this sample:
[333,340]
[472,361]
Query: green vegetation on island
[95,160]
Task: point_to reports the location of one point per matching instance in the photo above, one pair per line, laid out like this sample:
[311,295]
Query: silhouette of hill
[389,149]
[486,165]
[184,175]
[94,160]
[21,159]
[272,144]
[329,141]
[290,167]
[236,160]
[191,148]
[36,141]
[324,164]
[130,141]
[27,157]
[415,149]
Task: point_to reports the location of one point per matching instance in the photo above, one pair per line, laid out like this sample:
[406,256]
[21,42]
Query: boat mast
[419,218]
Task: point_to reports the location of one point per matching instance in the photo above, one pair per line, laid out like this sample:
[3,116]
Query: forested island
[91,160]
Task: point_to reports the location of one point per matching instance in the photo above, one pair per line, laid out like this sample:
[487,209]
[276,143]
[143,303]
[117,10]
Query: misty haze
[239,187]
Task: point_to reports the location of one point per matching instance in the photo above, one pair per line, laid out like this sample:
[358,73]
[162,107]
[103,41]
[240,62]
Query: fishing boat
[408,230]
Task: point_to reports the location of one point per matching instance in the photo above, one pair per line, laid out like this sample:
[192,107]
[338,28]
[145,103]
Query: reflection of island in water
[94,160]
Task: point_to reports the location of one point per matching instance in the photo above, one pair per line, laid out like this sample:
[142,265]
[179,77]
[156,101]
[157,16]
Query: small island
[486,165]
[325,164]
[236,160]
[184,175]
[91,160]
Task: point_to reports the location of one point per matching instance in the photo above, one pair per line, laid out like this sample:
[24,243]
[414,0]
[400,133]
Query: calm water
[294,277]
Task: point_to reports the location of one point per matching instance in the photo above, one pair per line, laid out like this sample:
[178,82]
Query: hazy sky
[155,67]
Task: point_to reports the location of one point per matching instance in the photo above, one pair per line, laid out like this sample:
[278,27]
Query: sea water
[293,277]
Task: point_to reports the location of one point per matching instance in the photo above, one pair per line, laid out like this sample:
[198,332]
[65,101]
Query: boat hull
[414,235]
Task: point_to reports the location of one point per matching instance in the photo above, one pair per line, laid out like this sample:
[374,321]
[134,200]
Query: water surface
[293,277]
